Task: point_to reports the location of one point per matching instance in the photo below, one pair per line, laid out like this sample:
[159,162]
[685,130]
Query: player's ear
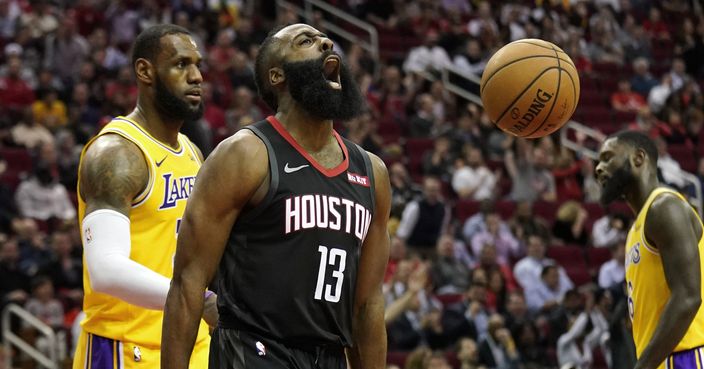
[276,76]
[144,71]
[638,158]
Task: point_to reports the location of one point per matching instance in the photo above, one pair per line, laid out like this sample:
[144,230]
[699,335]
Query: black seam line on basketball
[481,88]
[574,91]
[557,94]
[523,92]
[538,45]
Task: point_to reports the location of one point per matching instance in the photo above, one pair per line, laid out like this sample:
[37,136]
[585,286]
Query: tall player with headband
[664,252]
[134,179]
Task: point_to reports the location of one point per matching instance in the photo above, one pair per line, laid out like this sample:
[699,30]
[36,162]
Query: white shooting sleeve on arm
[106,240]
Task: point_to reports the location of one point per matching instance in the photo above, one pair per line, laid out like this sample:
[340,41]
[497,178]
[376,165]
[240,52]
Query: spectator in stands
[472,179]
[242,106]
[600,316]
[678,73]
[34,250]
[530,176]
[605,49]
[546,295]
[524,223]
[484,22]
[658,95]
[626,100]
[403,190]
[424,123]
[14,283]
[668,168]
[516,310]
[428,56]
[64,269]
[26,73]
[575,347]
[570,224]
[9,15]
[468,317]
[362,130]
[497,349]
[648,123]
[112,57]
[530,348]
[655,27]
[425,219]
[389,97]
[64,50]
[612,273]
[635,40]
[477,222]
[42,197]
[82,112]
[468,354]
[642,81]
[691,44]
[527,271]
[686,97]
[449,274]
[472,60]
[15,92]
[566,172]
[438,161]
[506,245]
[43,304]
[609,230]
[437,361]
[49,111]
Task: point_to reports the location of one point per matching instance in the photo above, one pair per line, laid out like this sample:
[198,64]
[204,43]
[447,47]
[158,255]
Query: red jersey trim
[332,172]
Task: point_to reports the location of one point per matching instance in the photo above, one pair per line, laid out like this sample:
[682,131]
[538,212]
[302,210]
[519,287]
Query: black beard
[615,186]
[170,105]
[308,86]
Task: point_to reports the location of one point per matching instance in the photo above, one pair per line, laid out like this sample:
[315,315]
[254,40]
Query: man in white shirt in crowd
[612,272]
[527,270]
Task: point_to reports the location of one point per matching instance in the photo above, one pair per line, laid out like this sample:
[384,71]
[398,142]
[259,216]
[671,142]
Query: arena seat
[465,209]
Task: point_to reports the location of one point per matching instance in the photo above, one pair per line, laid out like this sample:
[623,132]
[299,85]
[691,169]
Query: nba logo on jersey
[261,350]
[137,354]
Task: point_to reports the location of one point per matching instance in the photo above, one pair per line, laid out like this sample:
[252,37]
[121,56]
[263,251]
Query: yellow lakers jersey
[647,289]
[154,221]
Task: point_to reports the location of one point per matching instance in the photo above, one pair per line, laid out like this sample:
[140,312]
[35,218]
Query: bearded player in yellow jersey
[134,179]
[664,252]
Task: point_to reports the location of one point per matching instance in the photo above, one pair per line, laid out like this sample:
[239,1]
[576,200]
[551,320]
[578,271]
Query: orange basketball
[530,88]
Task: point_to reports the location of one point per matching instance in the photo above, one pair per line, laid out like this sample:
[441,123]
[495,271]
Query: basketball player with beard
[293,217]
[134,179]
[664,252]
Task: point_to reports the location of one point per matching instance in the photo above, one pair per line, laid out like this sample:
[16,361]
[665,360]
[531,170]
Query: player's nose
[326,44]
[195,76]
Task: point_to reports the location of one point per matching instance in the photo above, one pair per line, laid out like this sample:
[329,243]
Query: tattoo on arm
[114,171]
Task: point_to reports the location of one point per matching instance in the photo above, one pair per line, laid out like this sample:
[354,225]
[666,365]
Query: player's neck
[163,130]
[637,197]
[310,132]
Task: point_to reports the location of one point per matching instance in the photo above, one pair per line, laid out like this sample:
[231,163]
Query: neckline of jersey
[144,131]
[332,172]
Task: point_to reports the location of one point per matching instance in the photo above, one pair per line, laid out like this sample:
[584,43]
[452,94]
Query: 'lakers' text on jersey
[646,285]
[290,267]
[155,218]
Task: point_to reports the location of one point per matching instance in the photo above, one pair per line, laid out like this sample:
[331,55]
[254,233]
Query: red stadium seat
[397,358]
[596,256]
[465,209]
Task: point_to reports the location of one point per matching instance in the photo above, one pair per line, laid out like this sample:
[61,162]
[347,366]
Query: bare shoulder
[670,217]
[238,165]
[379,168]
[113,172]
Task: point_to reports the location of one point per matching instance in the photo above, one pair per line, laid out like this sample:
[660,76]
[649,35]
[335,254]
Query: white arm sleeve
[106,240]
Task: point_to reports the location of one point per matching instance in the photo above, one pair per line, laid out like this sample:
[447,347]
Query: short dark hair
[148,43]
[639,140]
[265,57]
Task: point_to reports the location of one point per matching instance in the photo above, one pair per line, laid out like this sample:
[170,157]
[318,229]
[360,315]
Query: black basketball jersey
[290,266]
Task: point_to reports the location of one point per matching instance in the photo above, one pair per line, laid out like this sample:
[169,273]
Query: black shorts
[236,349]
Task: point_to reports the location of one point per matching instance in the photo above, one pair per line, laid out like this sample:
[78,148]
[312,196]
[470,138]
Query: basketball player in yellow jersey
[664,252]
[134,179]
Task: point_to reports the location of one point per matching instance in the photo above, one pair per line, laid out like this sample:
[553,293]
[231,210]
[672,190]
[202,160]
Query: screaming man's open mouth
[331,71]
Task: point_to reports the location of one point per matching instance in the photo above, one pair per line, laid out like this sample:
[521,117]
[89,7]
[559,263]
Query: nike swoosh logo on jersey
[288,169]
[158,163]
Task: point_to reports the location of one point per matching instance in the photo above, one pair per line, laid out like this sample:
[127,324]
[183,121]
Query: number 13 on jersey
[337,259]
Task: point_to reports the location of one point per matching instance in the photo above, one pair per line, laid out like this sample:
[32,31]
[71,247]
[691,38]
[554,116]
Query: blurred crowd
[500,257]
